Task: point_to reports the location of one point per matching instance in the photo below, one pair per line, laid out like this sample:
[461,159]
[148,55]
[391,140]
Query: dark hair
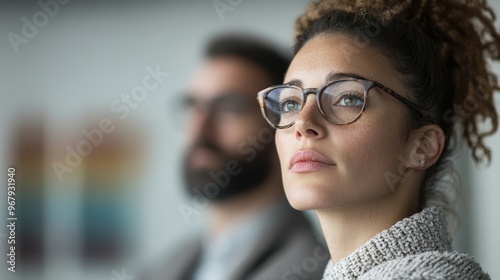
[251,49]
[440,47]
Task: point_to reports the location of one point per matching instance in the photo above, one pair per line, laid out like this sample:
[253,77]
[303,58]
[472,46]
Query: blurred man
[232,171]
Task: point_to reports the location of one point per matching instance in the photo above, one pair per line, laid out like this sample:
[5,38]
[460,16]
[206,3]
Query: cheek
[281,140]
[234,132]
[369,153]
[284,147]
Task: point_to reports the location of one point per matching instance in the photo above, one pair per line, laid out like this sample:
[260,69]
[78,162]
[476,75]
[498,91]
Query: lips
[309,161]
[203,157]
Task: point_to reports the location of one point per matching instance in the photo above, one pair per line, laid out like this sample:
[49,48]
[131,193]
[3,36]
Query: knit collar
[422,232]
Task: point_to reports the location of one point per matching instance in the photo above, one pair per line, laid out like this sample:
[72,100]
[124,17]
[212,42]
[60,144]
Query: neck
[348,228]
[223,215]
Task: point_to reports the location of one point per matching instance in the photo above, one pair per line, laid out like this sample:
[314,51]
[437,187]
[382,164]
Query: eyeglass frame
[244,103]
[367,85]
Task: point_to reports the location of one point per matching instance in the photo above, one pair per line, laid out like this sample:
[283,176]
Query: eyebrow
[337,76]
[333,76]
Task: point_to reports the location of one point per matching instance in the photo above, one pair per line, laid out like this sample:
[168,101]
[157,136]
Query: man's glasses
[227,103]
[340,102]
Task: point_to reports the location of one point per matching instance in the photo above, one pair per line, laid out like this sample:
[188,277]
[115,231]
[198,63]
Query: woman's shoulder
[429,265]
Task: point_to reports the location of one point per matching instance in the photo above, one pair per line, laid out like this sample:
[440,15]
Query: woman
[364,122]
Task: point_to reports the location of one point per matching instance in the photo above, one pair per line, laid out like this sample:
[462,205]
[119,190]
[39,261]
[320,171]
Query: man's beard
[215,186]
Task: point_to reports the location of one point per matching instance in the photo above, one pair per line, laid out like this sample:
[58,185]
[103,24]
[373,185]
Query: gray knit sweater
[417,247]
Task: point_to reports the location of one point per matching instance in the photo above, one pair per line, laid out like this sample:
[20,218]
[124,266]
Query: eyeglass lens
[340,102]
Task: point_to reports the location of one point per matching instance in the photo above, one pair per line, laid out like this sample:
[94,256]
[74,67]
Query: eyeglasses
[225,103]
[340,102]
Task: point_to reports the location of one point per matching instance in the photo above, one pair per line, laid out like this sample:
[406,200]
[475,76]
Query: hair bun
[384,10]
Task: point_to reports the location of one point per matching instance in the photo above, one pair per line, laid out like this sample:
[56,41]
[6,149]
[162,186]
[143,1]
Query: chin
[306,197]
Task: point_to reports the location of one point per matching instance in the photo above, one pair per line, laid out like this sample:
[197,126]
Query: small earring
[422,162]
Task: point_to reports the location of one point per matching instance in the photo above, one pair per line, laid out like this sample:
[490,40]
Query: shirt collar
[221,257]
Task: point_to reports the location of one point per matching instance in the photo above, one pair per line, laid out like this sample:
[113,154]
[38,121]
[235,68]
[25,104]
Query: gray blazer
[288,251]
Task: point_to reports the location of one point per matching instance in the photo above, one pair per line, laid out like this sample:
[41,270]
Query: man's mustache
[209,146]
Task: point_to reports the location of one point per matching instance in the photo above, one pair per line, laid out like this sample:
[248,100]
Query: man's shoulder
[429,265]
[185,250]
[177,263]
[296,252]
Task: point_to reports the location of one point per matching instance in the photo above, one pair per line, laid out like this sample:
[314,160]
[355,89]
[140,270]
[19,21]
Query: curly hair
[441,47]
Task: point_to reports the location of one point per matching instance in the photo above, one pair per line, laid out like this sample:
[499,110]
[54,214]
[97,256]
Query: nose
[310,122]
[200,124]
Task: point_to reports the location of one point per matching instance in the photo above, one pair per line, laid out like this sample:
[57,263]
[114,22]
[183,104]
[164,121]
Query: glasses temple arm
[405,101]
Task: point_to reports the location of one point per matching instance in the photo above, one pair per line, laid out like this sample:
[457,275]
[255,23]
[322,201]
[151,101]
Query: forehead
[227,75]
[338,53]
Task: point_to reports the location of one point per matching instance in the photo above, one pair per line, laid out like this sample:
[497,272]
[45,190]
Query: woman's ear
[426,146]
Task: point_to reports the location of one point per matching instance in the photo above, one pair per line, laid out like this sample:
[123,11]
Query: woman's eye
[290,106]
[349,100]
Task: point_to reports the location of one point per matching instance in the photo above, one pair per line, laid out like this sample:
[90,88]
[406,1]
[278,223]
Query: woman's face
[342,165]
